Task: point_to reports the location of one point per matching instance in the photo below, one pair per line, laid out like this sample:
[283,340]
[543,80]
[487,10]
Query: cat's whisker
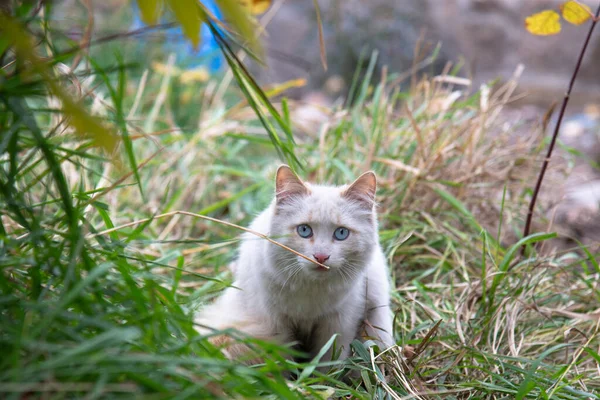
[345,276]
[287,268]
[285,264]
[351,270]
[282,269]
[296,271]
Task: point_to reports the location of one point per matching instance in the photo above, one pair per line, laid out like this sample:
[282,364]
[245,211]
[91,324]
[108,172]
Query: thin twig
[122,179]
[87,35]
[191,214]
[162,94]
[557,128]
[321,36]
[418,135]
[138,95]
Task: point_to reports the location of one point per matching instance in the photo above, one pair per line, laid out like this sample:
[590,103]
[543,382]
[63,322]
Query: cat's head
[336,226]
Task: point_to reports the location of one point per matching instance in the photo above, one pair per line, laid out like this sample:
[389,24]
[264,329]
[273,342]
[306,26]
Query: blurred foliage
[33,69]
[190,14]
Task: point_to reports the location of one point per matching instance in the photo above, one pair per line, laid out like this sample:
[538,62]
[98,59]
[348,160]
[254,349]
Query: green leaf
[315,362]
[460,207]
[220,204]
[508,257]
[361,350]
[590,257]
[71,295]
[529,382]
[258,100]
[534,238]
[117,95]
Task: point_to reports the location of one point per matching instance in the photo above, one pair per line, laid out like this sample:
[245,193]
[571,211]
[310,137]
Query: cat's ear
[288,185]
[363,190]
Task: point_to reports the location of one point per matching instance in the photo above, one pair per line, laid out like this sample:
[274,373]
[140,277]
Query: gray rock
[351,28]
[489,35]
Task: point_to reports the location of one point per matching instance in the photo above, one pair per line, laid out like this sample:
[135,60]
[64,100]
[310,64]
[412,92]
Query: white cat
[283,297]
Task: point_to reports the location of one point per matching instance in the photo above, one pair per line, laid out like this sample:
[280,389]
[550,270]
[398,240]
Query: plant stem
[557,128]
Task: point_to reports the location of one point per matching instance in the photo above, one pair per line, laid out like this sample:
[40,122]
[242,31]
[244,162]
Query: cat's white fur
[280,296]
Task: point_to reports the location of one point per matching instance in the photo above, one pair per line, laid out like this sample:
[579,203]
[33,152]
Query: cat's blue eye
[304,231]
[341,233]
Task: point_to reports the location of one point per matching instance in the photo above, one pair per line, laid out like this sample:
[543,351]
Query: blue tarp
[208,53]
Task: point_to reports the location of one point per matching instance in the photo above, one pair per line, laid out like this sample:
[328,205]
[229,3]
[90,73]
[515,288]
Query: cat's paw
[235,350]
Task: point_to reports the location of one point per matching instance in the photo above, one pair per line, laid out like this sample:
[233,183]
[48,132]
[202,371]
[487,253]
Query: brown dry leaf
[543,23]
[575,12]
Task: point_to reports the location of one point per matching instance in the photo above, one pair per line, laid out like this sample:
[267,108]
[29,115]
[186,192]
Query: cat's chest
[309,300]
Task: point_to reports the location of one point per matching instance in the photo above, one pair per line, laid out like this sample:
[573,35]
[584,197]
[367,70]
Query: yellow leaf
[239,17]
[150,10]
[187,13]
[543,23]
[164,68]
[256,7]
[575,12]
[86,124]
[194,75]
[280,88]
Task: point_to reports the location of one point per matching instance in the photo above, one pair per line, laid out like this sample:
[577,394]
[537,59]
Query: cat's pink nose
[320,257]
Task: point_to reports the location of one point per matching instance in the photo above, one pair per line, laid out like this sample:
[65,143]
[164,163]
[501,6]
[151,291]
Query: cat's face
[335,226]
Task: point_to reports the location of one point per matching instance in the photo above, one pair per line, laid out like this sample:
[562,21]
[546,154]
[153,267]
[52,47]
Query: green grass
[97,294]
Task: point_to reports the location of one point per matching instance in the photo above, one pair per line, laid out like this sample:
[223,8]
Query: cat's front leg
[378,325]
[378,321]
[345,326]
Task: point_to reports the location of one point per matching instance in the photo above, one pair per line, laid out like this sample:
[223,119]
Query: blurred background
[482,41]
[486,39]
